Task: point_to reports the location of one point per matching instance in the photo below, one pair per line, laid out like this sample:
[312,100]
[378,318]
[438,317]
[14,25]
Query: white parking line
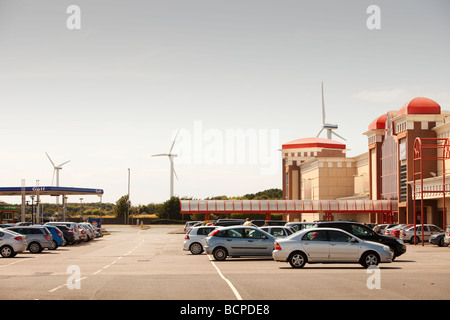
[236,293]
[96,272]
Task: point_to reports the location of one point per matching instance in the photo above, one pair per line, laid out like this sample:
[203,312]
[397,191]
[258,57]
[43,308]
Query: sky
[236,79]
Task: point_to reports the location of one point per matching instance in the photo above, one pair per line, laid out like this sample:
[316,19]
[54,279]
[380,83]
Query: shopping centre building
[407,153]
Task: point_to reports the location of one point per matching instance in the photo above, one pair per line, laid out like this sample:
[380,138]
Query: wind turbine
[56,170]
[328,126]
[170,155]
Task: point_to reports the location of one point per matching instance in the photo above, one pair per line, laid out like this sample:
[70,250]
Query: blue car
[58,237]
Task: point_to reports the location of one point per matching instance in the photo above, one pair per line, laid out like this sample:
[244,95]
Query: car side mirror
[354,240]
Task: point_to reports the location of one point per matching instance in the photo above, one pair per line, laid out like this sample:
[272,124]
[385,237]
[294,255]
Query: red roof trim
[313,143]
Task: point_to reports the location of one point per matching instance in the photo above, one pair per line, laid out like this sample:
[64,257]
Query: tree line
[169,209]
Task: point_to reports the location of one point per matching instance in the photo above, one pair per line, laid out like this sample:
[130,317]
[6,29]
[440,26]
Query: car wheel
[54,245]
[196,248]
[370,259]
[34,247]
[442,243]
[7,252]
[411,241]
[220,254]
[297,259]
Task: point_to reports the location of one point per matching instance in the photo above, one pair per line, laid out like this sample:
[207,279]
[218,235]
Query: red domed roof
[378,123]
[420,105]
[313,143]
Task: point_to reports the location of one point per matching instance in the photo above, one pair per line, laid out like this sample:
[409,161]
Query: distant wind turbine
[170,155]
[327,126]
[56,170]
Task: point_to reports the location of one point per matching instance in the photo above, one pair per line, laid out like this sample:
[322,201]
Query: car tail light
[18,238]
[59,233]
[186,237]
[46,236]
[277,246]
[69,231]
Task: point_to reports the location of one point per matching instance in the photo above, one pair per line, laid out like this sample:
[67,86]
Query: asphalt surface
[149,264]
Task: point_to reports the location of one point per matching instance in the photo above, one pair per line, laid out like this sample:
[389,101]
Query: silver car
[239,241]
[11,243]
[329,245]
[194,240]
[38,237]
[278,231]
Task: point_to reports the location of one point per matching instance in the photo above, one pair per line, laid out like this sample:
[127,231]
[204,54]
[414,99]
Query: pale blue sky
[109,95]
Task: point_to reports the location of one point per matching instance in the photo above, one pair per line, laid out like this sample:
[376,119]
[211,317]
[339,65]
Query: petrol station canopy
[48,191]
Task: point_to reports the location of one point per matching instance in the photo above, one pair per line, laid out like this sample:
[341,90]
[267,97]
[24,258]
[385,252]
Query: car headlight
[386,248]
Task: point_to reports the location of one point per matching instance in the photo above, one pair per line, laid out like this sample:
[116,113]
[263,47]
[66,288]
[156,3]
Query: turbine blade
[63,163]
[50,159]
[160,155]
[320,131]
[53,177]
[338,135]
[173,143]
[172,166]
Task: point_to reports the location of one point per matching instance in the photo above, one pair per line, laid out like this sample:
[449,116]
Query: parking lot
[134,263]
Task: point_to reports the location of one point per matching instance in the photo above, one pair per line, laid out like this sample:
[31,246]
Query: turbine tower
[170,155]
[328,126]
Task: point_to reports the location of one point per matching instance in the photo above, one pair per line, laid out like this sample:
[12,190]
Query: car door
[316,245]
[258,243]
[235,242]
[343,247]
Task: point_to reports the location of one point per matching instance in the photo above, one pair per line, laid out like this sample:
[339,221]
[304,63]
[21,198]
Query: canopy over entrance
[286,206]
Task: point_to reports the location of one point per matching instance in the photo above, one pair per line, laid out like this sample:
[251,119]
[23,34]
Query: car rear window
[204,231]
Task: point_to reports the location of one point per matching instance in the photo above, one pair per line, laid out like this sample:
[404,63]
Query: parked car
[385,226]
[365,233]
[329,245]
[239,241]
[297,226]
[261,223]
[438,239]
[57,237]
[11,243]
[229,222]
[278,231]
[190,224]
[88,232]
[68,234]
[72,226]
[388,230]
[407,234]
[447,236]
[194,240]
[397,229]
[38,237]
